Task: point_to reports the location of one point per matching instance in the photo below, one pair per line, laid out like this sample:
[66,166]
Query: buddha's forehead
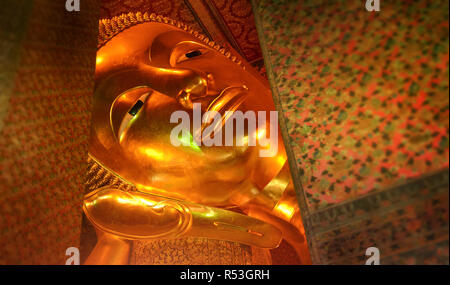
[144,42]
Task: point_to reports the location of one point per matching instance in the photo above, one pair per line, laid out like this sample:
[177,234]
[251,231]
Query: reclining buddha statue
[149,67]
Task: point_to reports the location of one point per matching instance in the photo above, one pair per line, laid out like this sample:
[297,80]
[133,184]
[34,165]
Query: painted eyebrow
[193,54]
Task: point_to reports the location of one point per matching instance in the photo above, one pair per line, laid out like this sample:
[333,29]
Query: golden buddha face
[149,71]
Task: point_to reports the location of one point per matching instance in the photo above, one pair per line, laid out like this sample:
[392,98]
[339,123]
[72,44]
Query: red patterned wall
[238,16]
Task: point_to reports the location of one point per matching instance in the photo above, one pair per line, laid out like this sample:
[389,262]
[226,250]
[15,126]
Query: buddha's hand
[135,215]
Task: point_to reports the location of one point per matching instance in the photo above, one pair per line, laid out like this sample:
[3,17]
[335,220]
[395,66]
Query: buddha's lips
[228,100]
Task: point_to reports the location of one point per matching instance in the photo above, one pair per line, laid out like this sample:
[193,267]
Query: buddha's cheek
[208,175]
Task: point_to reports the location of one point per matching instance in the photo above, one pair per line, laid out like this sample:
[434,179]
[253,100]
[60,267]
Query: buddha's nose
[201,87]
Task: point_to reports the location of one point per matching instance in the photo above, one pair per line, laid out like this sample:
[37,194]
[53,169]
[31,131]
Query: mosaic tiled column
[365,104]
[47,63]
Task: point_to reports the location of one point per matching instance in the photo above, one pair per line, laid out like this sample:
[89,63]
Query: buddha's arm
[121,216]
[109,250]
[277,205]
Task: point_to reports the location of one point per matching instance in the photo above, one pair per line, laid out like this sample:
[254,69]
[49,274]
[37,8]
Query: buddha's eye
[193,54]
[132,112]
[189,54]
[135,109]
